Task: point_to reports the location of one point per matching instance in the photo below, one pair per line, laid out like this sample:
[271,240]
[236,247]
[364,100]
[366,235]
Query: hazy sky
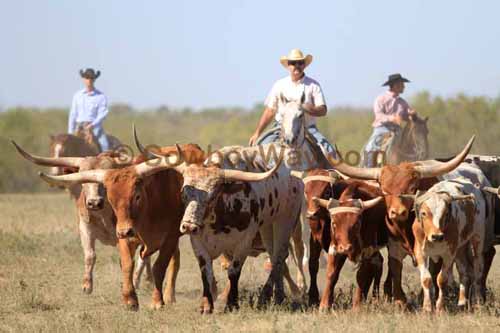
[226,53]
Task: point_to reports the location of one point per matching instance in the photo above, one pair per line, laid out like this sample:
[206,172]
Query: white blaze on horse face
[57,152]
[292,124]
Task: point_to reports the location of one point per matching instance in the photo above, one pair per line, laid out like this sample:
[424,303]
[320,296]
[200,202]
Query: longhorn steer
[396,181]
[345,228]
[96,220]
[225,208]
[451,225]
[146,201]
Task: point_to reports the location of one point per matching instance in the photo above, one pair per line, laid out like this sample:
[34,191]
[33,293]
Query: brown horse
[410,145]
[82,131]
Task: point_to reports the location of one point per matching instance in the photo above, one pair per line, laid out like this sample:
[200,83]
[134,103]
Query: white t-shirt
[292,91]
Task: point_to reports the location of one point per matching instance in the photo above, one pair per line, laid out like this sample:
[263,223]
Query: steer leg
[173,269]
[315,252]
[141,265]
[233,273]
[88,244]
[364,276]
[478,264]
[207,275]
[127,251]
[294,289]
[488,260]
[396,256]
[333,268]
[167,251]
[266,233]
[426,281]
[377,262]
[442,280]
[299,249]
[464,267]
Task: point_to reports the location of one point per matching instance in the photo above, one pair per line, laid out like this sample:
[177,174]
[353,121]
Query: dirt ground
[41,270]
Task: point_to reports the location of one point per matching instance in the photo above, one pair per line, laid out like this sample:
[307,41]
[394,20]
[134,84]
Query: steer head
[204,184]
[127,188]
[346,222]
[92,194]
[399,181]
[433,212]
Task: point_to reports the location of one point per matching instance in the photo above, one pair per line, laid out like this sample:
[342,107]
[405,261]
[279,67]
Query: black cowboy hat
[395,78]
[89,73]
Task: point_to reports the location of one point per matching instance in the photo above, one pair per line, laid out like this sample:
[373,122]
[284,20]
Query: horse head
[293,122]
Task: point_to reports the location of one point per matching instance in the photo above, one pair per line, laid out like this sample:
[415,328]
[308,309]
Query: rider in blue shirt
[89,106]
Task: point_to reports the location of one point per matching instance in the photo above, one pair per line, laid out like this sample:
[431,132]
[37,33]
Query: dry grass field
[41,267]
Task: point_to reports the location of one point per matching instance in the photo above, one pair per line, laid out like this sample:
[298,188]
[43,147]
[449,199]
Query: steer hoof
[206,311]
[87,287]
[131,303]
[157,305]
[323,309]
[170,299]
[132,306]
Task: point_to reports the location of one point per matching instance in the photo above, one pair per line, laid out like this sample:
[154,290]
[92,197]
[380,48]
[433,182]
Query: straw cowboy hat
[393,78]
[89,73]
[296,55]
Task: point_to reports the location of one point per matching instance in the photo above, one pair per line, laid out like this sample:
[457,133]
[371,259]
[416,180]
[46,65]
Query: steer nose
[95,204]
[398,213]
[437,237]
[344,248]
[125,233]
[189,228]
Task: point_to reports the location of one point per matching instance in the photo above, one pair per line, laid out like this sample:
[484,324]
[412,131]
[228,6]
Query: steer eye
[423,214]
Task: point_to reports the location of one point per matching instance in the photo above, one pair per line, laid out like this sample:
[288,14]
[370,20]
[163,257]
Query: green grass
[41,267]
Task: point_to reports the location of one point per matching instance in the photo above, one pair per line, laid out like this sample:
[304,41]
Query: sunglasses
[296,63]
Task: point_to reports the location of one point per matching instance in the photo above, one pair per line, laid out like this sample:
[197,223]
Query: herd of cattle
[242,201]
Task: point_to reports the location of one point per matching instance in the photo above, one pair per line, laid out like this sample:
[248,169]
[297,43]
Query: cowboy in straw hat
[89,108]
[293,87]
[390,110]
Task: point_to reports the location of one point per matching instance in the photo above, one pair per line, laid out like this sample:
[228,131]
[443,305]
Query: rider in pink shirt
[390,111]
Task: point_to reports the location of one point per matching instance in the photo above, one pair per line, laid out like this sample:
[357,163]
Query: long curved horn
[298,174]
[492,190]
[91,176]
[371,203]
[462,197]
[49,161]
[156,165]
[354,172]
[139,145]
[435,168]
[237,175]
[321,202]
